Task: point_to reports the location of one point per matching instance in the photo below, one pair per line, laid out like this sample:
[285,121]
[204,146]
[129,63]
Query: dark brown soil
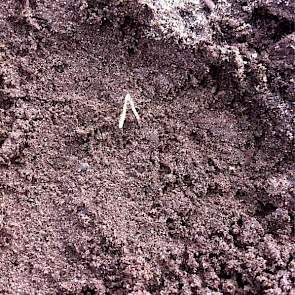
[199,198]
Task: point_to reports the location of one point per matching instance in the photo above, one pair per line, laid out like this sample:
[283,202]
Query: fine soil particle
[199,198]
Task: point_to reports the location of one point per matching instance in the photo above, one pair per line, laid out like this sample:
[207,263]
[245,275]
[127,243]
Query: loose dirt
[199,198]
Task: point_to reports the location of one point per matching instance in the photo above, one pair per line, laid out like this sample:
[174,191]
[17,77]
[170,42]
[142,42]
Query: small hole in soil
[170,223]
[223,274]
[180,285]
[131,50]
[164,169]
[239,279]
[264,209]
[183,222]
[214,71]
[169,220]
[127,20]
[240,222]
[187,180]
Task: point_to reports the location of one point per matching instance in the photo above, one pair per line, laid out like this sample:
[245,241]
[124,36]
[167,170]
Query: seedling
[128,101]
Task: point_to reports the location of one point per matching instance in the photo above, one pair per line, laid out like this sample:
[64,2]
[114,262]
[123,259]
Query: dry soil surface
[197,197]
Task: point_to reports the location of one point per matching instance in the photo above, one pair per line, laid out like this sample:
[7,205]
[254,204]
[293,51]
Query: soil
[196,198]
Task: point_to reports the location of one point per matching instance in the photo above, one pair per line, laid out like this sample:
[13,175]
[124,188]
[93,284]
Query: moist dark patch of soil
[196,198]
